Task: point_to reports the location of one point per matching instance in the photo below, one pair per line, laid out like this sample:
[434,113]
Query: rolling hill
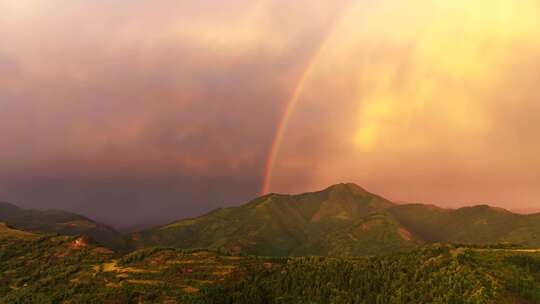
[51,268]
[61,222]
[342,220]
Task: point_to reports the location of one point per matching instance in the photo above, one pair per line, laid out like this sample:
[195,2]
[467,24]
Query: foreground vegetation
[435,274]
[37,268]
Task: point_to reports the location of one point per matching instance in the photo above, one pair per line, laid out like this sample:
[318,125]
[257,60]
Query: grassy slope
[8,234]
[62,222]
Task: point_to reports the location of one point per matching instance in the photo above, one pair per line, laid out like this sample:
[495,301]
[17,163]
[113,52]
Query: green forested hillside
[342,220]
[433,274]
[62,222]
[480,224]
[37,268]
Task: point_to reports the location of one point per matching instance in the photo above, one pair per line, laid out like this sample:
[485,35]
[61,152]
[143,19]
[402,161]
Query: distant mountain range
[342,220]
[61,222]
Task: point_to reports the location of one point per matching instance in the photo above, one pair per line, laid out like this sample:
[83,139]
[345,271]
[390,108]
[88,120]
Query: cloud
[423,102]
[168,108]
[160,107]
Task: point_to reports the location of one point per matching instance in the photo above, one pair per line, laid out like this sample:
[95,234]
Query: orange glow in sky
[422,101]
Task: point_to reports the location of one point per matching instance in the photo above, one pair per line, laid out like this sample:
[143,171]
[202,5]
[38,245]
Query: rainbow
[290,106]
[285,117]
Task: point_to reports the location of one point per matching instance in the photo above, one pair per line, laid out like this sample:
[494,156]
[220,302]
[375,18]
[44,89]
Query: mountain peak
[347,189]
[483,208]
[347,186]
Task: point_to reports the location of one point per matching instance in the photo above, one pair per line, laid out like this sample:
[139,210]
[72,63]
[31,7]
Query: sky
[142,112]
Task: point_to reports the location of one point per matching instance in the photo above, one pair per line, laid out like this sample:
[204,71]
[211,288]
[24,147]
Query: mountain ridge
[61,222]
[341,220]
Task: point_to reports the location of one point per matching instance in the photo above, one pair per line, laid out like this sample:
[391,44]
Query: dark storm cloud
[144,111]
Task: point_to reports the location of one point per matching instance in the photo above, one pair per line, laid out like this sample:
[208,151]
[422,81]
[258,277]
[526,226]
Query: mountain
[61,222]
[342,220]
[475,225]
[38,268]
